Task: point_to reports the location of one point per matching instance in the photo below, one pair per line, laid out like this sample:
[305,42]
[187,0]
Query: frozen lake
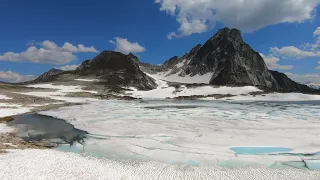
[199,133]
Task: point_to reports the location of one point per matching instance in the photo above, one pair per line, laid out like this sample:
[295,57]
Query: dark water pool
[36,127]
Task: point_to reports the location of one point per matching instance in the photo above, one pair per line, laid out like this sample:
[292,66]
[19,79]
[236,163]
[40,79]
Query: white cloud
[292,51]
[9,76]
[318,68]
[272,62]
[308,50]
[125,46]
[317,32]
[304,78]
[48,53]
[196,16]
[69,67]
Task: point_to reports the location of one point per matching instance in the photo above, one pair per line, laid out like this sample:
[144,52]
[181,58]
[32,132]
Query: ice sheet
[195,132]
[50,164]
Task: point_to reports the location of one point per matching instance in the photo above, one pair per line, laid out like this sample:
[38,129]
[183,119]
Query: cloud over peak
[197,16]
[124,46]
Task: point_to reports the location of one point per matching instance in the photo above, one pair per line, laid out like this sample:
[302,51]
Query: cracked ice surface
[195,132]
[50,164]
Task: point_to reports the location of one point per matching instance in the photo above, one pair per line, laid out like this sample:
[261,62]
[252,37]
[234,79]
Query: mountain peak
[233,35]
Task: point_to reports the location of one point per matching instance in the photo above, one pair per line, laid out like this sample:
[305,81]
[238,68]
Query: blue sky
[40,35]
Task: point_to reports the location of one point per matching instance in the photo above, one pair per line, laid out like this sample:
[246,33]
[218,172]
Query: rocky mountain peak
[227,34]
[49,76]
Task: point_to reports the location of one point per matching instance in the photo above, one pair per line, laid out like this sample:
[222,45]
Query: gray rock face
[287,85]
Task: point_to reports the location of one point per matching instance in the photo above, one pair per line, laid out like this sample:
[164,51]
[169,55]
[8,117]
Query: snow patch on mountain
[176,77]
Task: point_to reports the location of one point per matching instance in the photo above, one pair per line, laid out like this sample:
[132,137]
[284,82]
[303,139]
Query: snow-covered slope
[165,91]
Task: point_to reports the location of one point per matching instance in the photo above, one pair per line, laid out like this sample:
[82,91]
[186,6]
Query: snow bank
[61,88]
[4,97]
[5,129]
[50,164]
[12,109]
[60,93]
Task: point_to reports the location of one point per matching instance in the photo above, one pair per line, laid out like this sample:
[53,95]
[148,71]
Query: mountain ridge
[223,60]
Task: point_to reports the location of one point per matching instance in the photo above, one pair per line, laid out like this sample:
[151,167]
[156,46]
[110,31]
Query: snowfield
[54,165]
[165,91]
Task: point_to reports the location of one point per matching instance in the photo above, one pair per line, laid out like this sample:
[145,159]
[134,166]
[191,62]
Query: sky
[39,35]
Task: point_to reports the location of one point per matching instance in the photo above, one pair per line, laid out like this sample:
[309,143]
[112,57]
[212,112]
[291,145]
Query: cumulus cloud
[318,68]
[48,52]
[272,62]
[9,76]
[196,16]
[292,51]
[69,67]
[304,78]
[126,47]
[317,32]
[308,49]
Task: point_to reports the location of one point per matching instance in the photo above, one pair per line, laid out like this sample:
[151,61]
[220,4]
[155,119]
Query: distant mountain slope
[116,69]
[48,76]
[288,85]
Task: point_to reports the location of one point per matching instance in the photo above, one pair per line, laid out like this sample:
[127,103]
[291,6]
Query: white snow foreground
[197,132]
[55,165]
